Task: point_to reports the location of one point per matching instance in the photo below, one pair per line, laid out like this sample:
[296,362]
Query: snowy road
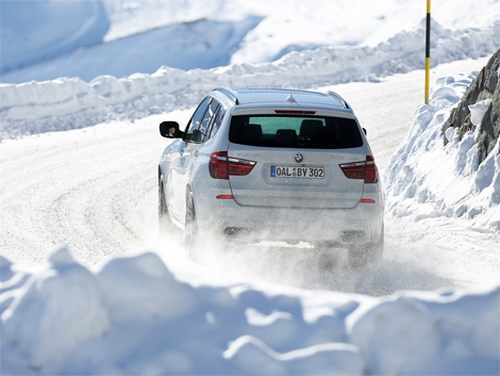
[94,190]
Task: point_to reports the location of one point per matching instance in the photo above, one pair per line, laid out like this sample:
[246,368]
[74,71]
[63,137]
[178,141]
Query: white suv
[272,164]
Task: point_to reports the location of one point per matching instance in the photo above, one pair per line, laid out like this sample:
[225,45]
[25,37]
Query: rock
[485,86]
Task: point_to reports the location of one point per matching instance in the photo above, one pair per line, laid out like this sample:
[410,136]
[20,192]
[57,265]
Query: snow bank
[69,103]
[134,317]
[456,185]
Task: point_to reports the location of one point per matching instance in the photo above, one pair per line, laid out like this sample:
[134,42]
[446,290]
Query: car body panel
[260,188]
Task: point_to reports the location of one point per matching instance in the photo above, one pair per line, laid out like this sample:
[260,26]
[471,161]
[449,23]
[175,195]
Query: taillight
[366,170]
[371,170]
[221,166]
[367,201]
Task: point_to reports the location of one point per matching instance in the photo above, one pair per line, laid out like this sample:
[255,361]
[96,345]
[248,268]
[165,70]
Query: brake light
[295,112]
[221,166]
[366,170]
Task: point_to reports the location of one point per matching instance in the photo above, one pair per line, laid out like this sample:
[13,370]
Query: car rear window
[311,132]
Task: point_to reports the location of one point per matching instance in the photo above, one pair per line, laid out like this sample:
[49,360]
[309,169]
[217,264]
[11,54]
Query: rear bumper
[362,224]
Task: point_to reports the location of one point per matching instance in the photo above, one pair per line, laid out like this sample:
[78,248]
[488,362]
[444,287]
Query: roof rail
[339,98]
[230,93]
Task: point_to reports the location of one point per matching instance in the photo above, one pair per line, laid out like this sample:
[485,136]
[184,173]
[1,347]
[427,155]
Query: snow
[135,317]
[68,103]
[104,305]
[26,39]
[468,191]
[478,110]
[144,36]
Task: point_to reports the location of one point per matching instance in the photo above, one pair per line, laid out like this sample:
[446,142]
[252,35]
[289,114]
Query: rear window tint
[295,132]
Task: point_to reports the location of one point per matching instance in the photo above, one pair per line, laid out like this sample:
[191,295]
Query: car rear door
[290,174]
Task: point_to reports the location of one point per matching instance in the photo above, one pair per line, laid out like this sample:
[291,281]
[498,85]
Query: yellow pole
[428,51]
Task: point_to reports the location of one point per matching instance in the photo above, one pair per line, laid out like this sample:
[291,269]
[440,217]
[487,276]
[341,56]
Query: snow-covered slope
[178,46]
[33,31]
[195,34]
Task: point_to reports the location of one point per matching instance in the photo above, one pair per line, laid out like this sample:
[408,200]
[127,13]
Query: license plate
[299,172]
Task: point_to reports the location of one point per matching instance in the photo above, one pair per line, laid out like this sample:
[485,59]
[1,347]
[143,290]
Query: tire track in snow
[95,190]
[88,189]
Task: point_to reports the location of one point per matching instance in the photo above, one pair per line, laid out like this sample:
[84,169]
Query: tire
[191,235]
[164,224]
[364,255]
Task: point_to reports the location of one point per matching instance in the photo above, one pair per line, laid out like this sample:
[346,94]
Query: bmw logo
[298,158]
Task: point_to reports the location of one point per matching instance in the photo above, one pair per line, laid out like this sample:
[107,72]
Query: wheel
[164,224]
[363,255]
[191,235]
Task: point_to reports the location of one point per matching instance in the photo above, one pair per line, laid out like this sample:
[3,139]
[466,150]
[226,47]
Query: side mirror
[364,130]
[170,129]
